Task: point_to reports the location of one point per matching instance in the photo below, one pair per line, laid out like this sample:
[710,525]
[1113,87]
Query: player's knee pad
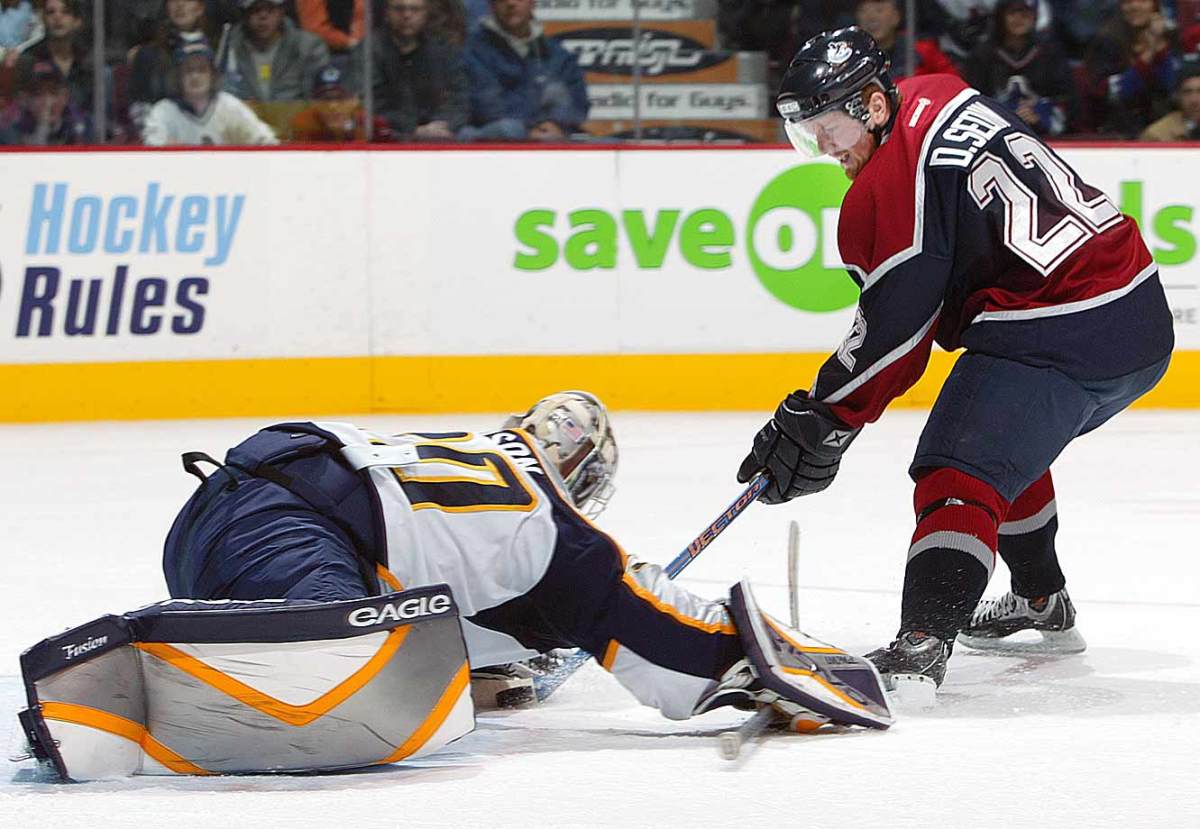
[188,687]
[943,487]
[956,512]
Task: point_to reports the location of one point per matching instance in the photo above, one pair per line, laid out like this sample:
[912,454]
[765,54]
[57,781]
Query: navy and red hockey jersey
[965,229]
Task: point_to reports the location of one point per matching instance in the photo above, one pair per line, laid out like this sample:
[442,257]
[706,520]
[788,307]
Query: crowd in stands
[265,71]
[1110,69]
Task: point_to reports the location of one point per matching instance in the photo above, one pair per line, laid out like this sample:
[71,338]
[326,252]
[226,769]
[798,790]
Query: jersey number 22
[1080,217]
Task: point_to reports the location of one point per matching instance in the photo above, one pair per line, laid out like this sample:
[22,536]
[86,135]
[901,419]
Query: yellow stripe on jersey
[422,490]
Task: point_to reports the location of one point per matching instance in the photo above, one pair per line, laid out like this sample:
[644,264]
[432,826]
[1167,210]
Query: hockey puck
[517,697]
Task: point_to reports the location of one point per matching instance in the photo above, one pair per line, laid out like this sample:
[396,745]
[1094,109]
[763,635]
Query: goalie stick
[547,684]
[729,743]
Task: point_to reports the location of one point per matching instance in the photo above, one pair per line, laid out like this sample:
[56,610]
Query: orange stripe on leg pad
[298,715]
[794,643]
[121,727]
[388,577]
[825,682]
[610,655]
[445,704]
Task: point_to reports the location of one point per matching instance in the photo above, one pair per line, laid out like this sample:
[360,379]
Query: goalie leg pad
[191,687]
[795,672]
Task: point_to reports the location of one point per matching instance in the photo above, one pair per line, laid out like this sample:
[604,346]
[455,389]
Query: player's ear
[878,107]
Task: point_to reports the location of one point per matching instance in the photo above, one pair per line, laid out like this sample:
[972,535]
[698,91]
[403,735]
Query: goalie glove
[800,448]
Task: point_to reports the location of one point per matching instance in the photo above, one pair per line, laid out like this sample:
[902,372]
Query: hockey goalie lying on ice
[334,588]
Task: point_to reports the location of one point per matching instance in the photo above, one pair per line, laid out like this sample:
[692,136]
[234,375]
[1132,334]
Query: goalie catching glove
[799,676]
[800,448]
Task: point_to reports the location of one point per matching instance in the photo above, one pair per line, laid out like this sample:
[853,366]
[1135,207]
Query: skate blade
[1052,642]
[912,692]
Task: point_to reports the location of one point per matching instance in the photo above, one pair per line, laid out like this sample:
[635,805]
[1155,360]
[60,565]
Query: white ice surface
[1107,739]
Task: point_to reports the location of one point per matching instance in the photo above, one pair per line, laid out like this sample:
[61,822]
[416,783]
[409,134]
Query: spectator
[420,80]
[224,12]
[1078,22]
[881,19]
[202,113]
[524,86]
[474,11]
[816,16]
[1187,20]
[1184,123]
[768,26]
[758,26]
[335,115]
[959,25]
[337,22]
[448,20]
[129,25]
[1024,70]
[152,63]
[271,58]
[1131,69]
[43,114]
[65,48]
[19,27]
[962,25]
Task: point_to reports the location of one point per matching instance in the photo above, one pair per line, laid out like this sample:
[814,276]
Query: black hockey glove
[800,448]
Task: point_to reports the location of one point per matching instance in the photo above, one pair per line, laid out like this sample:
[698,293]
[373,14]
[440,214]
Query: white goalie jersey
[468,510]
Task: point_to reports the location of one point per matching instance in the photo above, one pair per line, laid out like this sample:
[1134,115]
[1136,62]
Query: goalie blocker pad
[817,676]
[232,687]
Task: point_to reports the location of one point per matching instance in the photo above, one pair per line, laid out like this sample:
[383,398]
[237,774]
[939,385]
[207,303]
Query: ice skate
[513,685]
[912,667]
[1014,624]
[503,686]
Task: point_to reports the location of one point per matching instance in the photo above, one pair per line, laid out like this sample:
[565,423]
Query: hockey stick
[793,550]
[547,684]
[729,743]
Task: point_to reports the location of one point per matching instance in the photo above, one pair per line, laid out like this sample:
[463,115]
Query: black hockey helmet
[828,75]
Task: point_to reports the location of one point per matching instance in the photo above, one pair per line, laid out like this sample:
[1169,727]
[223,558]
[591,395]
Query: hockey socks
[953,551]
[1026,541]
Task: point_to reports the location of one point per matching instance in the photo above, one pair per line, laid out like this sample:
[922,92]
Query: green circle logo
[792,236]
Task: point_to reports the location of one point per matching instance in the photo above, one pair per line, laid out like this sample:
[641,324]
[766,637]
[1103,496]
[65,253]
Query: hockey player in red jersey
[962,228]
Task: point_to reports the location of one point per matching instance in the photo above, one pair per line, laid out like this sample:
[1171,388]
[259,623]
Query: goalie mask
[820,98]
[573,430]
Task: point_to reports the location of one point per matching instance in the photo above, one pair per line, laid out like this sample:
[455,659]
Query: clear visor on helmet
[826,134]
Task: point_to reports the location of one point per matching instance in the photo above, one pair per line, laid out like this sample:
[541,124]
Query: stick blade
[729,745]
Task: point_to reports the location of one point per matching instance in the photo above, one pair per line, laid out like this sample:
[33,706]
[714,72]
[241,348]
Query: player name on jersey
[624,9]
[713,101]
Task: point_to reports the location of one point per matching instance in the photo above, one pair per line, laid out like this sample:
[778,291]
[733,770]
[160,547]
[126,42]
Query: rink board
[180,284]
